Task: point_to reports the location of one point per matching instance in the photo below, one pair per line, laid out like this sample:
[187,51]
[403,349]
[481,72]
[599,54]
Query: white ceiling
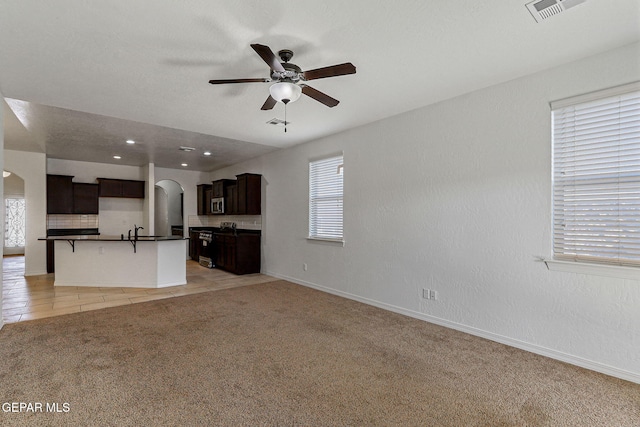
[82,76]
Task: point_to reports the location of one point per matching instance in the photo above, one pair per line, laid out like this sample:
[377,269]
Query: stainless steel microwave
[217,205]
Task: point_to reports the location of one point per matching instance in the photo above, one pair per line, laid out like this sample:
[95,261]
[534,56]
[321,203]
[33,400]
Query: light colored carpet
[279,354]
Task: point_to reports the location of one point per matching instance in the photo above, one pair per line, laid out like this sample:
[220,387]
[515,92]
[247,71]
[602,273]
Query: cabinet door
[231,201]
[50,257]
[219,251]
[193,245]
[203,193]
[133,189]
[207,201]
[218,189]
[121,188]
[230,253]
[249,194]
[247,254]
[85,198]
[242,195]
[110,187]
[59,194]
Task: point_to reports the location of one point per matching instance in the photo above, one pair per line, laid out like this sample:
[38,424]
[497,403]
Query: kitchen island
[113,261]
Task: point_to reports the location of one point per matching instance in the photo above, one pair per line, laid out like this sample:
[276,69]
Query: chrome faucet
[136,232]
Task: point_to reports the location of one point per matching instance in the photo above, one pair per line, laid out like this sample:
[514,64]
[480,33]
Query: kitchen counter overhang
[113,261]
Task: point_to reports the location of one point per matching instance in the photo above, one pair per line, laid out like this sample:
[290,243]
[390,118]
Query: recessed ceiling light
[184,165]
[130,141]
[117,157]
[207,153]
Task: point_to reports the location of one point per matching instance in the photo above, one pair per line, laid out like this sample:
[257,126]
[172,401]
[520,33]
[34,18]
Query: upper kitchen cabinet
[220,187]
[204,199]
[85,198]
[121,188]
[59,194]
[249,191]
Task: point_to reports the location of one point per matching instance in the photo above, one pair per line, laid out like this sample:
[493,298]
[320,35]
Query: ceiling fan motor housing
[291,73]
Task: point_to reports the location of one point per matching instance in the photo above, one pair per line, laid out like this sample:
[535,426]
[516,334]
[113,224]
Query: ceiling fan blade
[319,96]
[268,56]
[269,103]
[219,82]
[330,71]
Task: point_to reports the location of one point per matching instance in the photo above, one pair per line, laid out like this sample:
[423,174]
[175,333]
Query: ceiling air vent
[543,9]
[277,122]
[186,149]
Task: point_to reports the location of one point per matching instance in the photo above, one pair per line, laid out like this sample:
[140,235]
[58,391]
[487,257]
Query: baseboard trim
[523,345]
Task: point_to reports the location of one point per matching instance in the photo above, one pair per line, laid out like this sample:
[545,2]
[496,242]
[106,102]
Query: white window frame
[326,199]
[596,183]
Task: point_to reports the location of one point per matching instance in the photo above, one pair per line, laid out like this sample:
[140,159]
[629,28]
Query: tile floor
[35,297]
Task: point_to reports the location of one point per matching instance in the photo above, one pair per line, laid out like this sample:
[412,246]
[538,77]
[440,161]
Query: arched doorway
[168,207]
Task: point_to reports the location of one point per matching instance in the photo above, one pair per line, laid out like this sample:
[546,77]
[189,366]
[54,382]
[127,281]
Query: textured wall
[456,197]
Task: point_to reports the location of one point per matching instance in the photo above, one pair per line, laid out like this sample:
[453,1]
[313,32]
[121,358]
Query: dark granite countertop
[101,238]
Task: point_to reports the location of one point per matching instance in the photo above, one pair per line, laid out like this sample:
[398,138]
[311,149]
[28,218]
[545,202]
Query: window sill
[326,240]
[617,271]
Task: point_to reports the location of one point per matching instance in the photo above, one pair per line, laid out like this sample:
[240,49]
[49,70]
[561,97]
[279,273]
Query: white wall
[456,197]
[31,168]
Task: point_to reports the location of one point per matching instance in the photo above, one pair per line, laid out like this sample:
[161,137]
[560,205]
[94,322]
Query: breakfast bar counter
[114,261]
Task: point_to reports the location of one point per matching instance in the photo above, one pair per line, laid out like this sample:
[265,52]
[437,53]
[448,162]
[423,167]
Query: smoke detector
[544,9]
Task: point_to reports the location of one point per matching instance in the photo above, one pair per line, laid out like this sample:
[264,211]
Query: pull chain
[285,117]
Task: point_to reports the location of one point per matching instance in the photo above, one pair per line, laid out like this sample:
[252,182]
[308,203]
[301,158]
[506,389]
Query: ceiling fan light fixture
[285,92]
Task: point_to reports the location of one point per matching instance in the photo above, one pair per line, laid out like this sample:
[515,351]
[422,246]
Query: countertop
[105,238]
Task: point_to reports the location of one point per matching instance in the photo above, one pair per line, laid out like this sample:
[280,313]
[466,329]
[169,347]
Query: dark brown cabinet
[51,262]
[203,194]
[242,196]
[231,200]
[59,194]
[85,198]
[220,187]
[249,194]
[238,254]
[121,188]
[194,245]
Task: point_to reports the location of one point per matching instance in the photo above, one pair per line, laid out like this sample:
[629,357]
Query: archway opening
[168,208]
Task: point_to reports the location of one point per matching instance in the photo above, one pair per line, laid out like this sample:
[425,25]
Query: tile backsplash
[246,222]
[72,221]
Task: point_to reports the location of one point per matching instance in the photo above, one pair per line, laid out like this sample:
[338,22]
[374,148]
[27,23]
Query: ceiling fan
[289,80]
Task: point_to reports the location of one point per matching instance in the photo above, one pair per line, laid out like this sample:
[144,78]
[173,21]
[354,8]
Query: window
[325,198]
[596,177]
[14,223]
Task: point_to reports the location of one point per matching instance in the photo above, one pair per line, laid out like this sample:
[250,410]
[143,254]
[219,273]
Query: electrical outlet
[304,266]
[429,294]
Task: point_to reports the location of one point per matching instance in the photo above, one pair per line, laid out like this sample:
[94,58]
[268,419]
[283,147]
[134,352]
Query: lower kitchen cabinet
[238,254]
[194,245]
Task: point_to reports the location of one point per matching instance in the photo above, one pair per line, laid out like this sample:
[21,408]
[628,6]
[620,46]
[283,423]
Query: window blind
[596,178]
[326,198]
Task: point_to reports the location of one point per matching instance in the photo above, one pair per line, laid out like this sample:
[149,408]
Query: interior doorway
[168,208]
